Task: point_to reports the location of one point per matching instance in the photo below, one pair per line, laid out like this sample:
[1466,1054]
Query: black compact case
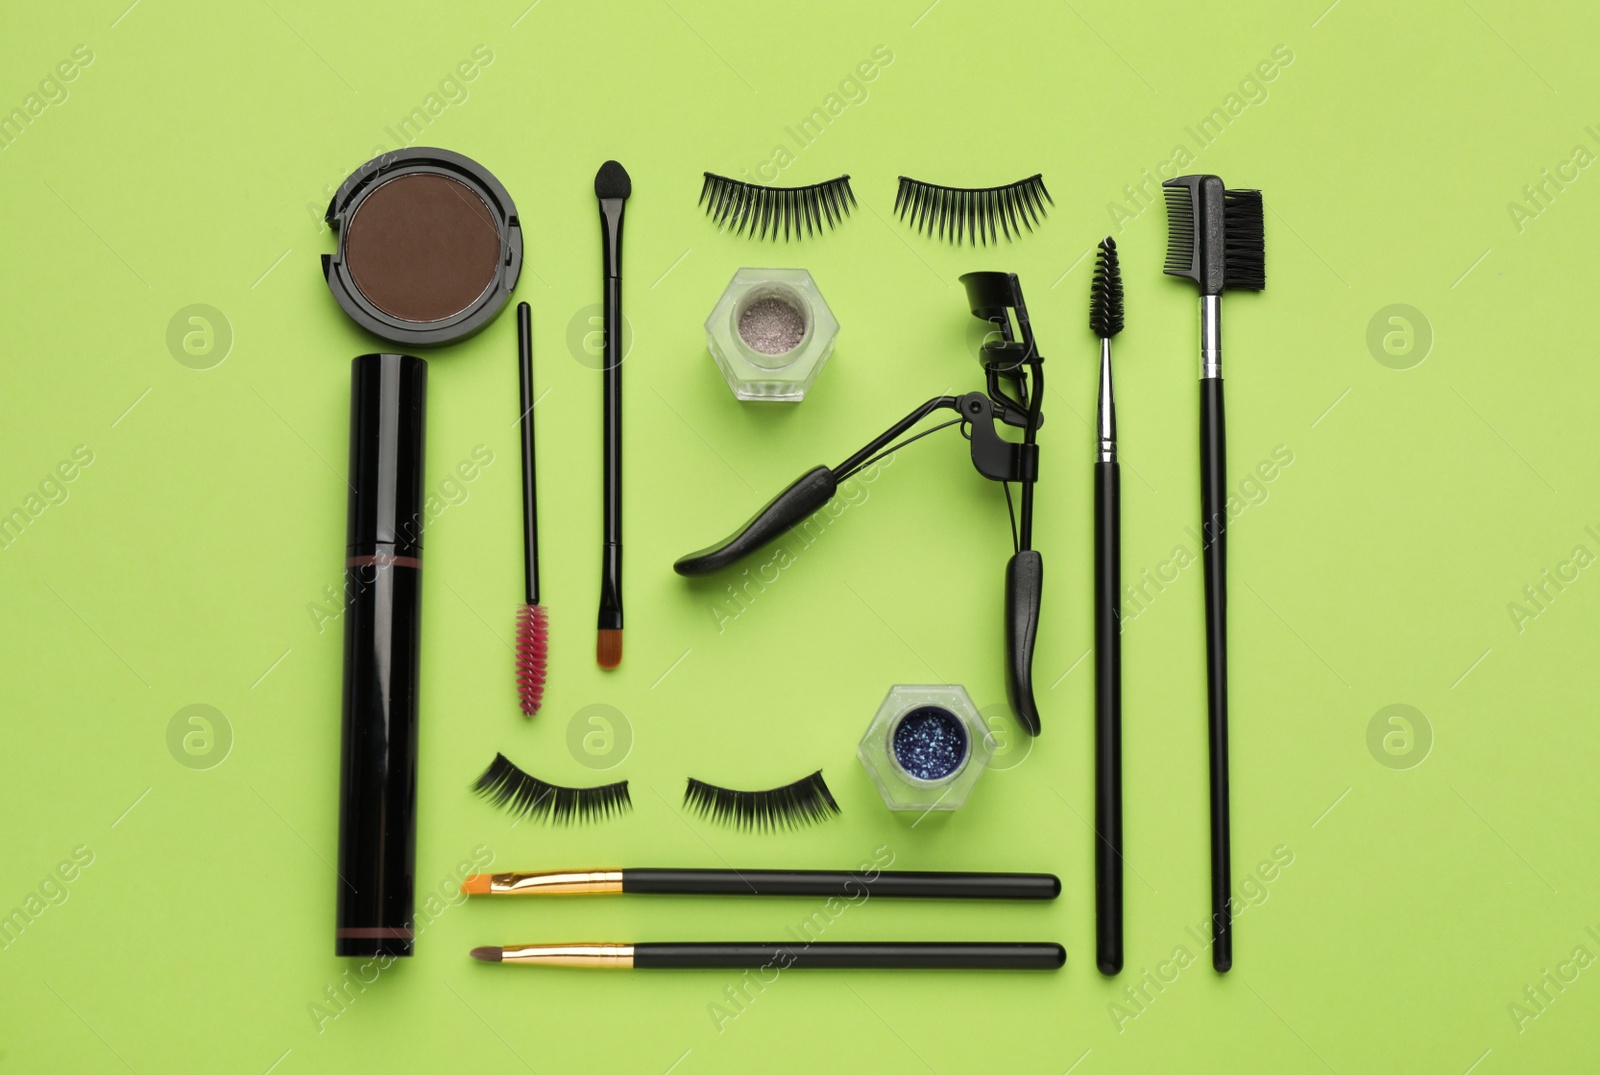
[382,617]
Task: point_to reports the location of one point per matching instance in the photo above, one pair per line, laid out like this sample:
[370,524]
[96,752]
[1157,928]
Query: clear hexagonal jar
[771,333]
[926,747]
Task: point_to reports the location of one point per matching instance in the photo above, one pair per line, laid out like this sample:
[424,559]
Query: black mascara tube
[383,603]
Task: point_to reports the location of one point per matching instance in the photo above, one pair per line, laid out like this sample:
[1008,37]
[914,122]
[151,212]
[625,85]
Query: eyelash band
[525,795]
[951,212]
[735,205]
[805,802]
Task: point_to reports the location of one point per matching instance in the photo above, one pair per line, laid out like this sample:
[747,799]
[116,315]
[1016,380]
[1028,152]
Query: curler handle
[1024,583]
[789,508]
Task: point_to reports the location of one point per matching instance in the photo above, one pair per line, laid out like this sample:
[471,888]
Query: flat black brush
[1216,238]
[1105,321]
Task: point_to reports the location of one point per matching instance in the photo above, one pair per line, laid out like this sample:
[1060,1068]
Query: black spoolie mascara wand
[1105,321]
[1215,237]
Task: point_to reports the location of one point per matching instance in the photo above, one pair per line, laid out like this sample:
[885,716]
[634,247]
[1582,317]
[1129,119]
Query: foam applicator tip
[612,181]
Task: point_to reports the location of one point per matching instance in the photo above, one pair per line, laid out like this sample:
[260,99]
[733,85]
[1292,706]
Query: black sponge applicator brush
[1215,237]
[612,186]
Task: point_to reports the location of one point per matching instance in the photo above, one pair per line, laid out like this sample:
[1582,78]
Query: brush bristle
[608,649]
[1105,293]
[1244,247]
[1183,252]
[612,181]
[533,644]
[477,884]
[488,954]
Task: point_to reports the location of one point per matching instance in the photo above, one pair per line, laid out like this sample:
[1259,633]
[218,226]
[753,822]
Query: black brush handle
[844,884]
[789,508]
[1214,518]
[883,955]
[1108,716]
[530,510]
[1024,584]
[611,549]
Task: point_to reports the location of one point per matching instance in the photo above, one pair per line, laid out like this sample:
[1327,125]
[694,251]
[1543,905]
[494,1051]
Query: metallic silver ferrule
[1106,421]
[1210,336]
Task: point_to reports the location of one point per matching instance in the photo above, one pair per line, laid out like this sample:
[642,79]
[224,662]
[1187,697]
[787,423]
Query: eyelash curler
[1014,391]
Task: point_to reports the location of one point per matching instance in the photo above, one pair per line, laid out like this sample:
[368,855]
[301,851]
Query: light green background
[189,162]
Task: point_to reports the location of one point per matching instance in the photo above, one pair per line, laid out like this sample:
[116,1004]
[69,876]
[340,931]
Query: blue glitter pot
[926,748]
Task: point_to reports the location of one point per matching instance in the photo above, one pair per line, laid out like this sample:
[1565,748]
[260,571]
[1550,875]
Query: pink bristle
[533,638]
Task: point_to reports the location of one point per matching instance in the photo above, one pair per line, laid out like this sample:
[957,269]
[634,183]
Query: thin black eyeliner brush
[1215,237]
[1105,321]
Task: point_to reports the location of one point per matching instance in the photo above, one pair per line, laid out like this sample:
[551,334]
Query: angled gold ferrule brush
[547,883]
[782,955]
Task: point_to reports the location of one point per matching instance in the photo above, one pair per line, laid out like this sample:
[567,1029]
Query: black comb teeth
[1180,231]
[1105,292]
[737,206]
[980,214]
[1215,236]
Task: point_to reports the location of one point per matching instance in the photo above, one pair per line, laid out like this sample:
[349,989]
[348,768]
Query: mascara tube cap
[388,393]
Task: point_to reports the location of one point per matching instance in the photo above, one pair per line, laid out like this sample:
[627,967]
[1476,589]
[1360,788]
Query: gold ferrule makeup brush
[882,955]
[843,884]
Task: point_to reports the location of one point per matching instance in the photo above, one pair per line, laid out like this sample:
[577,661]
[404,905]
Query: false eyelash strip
[982,214]
[525,795]
[736,205]
[804,802]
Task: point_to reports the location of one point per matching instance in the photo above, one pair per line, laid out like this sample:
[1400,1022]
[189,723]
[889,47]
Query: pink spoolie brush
[533,623]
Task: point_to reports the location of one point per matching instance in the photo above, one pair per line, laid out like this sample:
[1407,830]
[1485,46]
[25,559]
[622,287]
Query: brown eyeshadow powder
[422,247]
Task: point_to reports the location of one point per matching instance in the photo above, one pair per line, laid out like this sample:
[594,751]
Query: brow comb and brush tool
[612,186]
[1105,321]
[823,884]
[1215,237]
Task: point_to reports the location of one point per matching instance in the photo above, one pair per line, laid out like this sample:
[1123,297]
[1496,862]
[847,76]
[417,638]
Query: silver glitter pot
[771,333]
